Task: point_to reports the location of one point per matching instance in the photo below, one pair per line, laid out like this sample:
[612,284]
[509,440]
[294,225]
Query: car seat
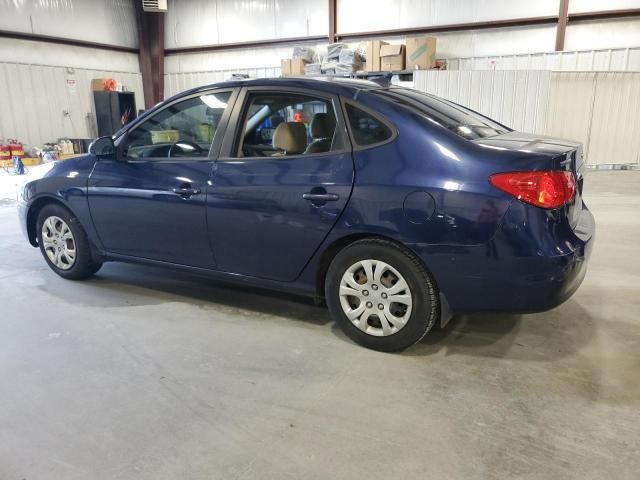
[323,125]
[291,138]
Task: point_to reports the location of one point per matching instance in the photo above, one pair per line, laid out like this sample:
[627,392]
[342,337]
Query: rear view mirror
[103,147]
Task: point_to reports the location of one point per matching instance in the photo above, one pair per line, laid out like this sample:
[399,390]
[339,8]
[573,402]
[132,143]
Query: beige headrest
[290,137]
[322,125]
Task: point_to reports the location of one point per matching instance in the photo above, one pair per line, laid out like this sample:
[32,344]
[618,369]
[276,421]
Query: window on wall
[365,128]
[183,130]
[281,124]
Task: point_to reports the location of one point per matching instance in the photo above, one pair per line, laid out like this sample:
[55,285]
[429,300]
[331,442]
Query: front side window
[286,124]
[366,129]
[183,130]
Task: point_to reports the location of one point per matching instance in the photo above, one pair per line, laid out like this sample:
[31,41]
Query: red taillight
[550,189]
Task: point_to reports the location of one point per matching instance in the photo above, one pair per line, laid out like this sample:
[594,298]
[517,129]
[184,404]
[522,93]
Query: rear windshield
[462,121]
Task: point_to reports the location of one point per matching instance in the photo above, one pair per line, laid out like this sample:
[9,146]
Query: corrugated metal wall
[615,129]
[570,107]
[33,98]
[264,57]
[179,82]
[43,53]
[599,109]
[510,97]
[615,59]
[602,110]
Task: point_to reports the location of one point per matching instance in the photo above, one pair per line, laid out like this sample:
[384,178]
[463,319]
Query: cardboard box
[292,66]
[373,55]
[421,53]
[285,66]
[97,84]
[105,85]
[391,58]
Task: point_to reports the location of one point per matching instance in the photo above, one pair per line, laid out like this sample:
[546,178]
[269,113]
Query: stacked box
[392,57]
[373,55]
[307,54]
[292,66]
[349,61]
[421,53]
[333,51]
[312,69]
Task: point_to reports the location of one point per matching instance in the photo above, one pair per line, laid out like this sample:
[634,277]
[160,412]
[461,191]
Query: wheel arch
[445,313]
[32,215]
[341,243]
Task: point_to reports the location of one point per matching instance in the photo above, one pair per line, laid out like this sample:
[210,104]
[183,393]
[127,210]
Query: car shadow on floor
[545,336]
[145,285]
[536,337]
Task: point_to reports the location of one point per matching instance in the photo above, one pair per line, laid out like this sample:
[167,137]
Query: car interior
[283,125]
[185,129]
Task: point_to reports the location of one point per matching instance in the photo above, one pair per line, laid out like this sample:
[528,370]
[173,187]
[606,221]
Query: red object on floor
[5,152]
[16,149]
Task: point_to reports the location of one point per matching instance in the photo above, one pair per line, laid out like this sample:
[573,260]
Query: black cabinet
[113,111]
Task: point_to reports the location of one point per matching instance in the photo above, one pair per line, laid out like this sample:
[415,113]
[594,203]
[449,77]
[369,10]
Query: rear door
[150,203]
[285,177]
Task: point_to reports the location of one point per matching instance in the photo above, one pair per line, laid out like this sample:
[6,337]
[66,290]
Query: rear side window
[456,118]
[365,128]
[278,124]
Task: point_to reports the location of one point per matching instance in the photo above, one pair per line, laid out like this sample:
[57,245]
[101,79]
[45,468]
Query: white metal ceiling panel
[362,16]
[211,22]
[576,6]
[103,21]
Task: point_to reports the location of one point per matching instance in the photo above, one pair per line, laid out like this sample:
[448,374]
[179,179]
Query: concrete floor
[148,374]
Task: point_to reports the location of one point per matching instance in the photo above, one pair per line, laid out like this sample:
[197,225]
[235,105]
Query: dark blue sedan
[399,208]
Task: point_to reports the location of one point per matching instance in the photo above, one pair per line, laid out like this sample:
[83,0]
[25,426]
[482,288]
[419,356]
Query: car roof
[335,85]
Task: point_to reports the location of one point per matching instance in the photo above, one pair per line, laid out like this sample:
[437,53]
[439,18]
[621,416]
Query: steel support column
[561,29]
[333,20]
[151,40]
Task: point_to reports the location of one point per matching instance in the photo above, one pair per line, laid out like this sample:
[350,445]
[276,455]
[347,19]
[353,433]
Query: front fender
[66,184]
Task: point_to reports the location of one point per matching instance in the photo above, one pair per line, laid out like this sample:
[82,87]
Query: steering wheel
[196,149]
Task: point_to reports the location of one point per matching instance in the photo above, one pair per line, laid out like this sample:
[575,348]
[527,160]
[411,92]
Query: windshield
[456,118]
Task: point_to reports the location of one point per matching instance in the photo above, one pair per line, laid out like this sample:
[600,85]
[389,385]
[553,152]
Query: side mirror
[103,147]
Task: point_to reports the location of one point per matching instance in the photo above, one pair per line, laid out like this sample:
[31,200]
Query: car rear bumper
[530,265]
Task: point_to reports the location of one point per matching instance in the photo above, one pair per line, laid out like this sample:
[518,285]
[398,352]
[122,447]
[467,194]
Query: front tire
[64,243]
[381,295]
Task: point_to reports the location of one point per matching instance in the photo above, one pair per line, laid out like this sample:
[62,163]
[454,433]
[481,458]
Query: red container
[5,152]
[16,149]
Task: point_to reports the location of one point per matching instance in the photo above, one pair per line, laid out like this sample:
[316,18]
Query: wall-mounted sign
[71,84]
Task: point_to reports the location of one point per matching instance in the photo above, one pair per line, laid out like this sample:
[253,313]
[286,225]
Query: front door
[284,181]
[151,202]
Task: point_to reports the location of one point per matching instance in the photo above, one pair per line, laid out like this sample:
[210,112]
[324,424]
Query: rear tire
[381,295]
[64,244]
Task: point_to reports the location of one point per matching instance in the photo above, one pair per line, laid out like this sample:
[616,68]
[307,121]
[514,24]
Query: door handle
[186,192]
[321,197]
